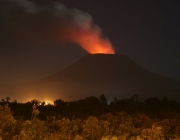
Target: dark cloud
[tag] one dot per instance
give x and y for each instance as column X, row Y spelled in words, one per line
column 24, row 22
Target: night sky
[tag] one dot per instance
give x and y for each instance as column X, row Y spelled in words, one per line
column 33, row 41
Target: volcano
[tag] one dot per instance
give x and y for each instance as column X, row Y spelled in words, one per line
column 110, row 74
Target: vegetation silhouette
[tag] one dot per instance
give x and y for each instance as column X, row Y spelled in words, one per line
column 91, row 118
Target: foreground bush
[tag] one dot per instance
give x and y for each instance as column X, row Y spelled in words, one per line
column 118, row 126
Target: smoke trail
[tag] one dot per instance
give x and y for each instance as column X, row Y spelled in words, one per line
column 24, row 21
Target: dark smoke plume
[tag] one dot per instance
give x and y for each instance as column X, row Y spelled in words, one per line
column 25, row 23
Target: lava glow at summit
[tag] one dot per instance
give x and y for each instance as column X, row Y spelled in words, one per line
column 91, row 41
column 57, row 23
column 81, row 30
column 89, row 37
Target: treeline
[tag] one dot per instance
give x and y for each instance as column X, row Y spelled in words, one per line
column 94, row 106
column 91, row 118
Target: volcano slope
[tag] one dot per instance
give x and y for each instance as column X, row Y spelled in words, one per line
column 110, row 74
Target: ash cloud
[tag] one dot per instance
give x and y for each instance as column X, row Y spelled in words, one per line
column 24, row 23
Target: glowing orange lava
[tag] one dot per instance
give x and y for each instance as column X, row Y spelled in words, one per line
column 92, row 43
column 89, row 39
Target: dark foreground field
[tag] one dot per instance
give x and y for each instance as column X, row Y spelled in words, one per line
column 91, row 119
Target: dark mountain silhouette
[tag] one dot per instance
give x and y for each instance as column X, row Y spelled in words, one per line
column 111, row 75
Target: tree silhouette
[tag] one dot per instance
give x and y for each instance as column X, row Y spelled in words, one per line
column 103, row 99
column 7, row 99
column 60, row 104
column 134, row 98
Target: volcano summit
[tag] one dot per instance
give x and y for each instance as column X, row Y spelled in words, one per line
column 110, row 74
